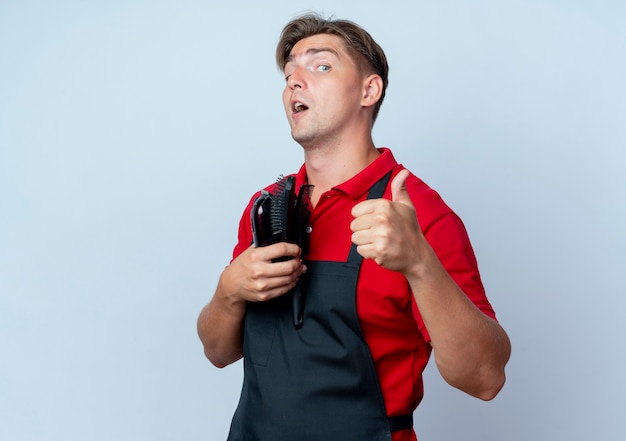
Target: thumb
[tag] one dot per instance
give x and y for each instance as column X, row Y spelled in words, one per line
column 398, row 188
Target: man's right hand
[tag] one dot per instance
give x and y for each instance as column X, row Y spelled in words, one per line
column 256, row 276
column 253, row 276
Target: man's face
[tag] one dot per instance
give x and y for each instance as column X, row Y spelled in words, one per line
column 323, row 90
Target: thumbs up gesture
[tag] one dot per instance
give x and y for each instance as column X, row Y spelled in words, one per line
column 387, row 230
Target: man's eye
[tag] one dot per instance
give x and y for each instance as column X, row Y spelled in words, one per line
column 323, row 68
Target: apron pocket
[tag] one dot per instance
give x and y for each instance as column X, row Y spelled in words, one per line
column 260, row 326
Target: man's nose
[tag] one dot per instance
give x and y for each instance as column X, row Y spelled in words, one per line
column 296, row 79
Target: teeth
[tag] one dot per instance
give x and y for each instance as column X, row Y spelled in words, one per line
column 299, row 107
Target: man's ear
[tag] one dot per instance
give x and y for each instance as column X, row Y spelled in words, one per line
column 372, row 90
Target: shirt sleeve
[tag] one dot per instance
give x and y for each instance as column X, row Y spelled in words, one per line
column 448, row 238
column 244, row 233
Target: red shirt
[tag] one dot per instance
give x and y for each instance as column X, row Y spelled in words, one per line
column 390, row 320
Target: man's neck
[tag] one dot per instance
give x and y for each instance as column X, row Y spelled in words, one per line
column 329, row 166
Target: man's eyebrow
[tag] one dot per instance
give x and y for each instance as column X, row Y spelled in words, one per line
column 313, row 51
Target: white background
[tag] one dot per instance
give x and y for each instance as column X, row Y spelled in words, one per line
column 132, row 134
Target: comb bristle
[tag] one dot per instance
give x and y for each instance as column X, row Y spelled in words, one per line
column 282, row 195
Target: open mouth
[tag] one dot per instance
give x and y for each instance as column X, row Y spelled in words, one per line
column 298, row 107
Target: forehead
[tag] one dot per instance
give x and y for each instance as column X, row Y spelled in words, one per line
column 321, row 43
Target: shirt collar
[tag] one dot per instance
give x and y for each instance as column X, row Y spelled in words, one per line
column 360, row 183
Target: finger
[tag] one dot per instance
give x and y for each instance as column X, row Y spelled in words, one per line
column 362, row 237
column 277, row 287
column 398, row 188
column 365, row 207
column 369, row 251
column 273, row 279
column 291, row 268
column 277, row 250
column 361, row 223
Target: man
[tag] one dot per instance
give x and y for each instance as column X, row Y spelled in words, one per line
column 390, row 272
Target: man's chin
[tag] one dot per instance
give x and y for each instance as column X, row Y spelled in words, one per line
column 304, row 139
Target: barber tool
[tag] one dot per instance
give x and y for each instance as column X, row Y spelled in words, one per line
column 283, row 216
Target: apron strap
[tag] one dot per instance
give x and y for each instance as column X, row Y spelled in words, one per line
column 400, row 422
column 376, row 192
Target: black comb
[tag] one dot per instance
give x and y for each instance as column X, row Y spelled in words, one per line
column 282, row 209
